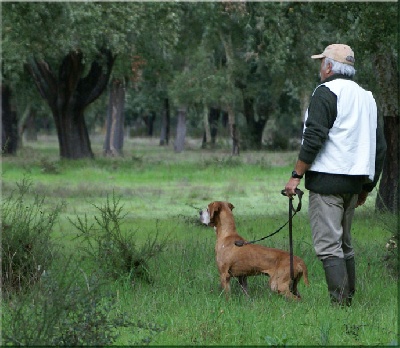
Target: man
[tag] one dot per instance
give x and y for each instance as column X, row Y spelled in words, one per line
column 341, row 155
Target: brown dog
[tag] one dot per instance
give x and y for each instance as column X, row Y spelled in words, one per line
column 249, row 259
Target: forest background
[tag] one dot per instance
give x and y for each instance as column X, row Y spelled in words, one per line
column 108, row 67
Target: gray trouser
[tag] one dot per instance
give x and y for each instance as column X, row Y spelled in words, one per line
column 330, row 219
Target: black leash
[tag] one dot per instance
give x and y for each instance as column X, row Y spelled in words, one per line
column 299, row 193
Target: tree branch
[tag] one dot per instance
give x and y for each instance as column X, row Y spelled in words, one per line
column 91, row 86
column 44, row 79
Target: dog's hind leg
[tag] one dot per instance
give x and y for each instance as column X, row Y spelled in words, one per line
column 225, row 278
column 243, row 284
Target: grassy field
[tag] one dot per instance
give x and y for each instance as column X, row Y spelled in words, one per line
column 161, row 192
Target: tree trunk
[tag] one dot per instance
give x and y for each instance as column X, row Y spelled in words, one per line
column 27, row 125
column 68, row 94
column 234, row 131
column 226, row 39
column 255, row 127
column 387, row 72
column 114, row 140
column 213, row 120
column 9, row 124
column 30, row 132
column 388, row 197
column 206, row 124
column 148, row 120
column 165, row 124
column 180, row 130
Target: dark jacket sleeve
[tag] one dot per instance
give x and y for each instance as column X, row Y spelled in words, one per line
column 322, row 113
column 380, row 155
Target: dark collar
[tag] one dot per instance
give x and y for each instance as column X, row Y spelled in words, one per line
column 337, row 76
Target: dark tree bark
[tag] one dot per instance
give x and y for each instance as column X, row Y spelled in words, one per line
column 114, row 140
column 9, row 123
column 387, row 72
column 255, row 127
column 180, row 130
column 148, row 120
column 68, row 94
column 388, row 197
column 165, row 124
column 213, row 118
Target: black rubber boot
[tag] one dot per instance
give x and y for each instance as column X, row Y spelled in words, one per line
column 351, row 275
column 337, row 280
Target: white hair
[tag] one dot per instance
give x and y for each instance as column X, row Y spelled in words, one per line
column 340, row 68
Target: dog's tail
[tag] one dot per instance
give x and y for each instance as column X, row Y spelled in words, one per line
column 303, row 269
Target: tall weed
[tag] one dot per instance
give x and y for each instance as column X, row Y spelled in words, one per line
column 112, row 250
column 27, row 248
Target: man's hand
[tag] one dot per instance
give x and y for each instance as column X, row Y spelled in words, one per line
column 300, row 168
column 291, row 187
column 362, row 197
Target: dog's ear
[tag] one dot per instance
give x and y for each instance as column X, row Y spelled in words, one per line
column 213, row 208
column 231, row 206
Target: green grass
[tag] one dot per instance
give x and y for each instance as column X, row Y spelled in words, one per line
column 162, row 192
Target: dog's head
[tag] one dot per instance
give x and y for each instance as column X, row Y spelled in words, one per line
column 207, row 216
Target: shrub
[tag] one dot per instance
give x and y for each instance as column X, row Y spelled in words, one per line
column 67, row 308
column 27, row 249
column 112, row 251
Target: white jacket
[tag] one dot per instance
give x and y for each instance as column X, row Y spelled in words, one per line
column 351, row 145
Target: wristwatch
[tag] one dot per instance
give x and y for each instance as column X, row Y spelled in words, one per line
column 296, row 176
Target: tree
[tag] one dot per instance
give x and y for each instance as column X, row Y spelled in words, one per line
column 68, row 94
column 85, row 32
column 114, row 138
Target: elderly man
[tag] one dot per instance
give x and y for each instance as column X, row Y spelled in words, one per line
column 341, row 156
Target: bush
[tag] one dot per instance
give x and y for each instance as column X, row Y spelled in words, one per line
column 27, row 249
column 112, row 251
column 67, row 308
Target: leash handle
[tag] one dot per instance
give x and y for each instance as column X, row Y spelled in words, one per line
column 299, row 194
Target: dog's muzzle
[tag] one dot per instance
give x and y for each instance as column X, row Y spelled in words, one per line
column 204, row 216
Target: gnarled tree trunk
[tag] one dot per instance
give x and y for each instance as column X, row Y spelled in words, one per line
column 68, row 94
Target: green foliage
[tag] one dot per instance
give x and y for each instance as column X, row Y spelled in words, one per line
column 27, row 247
column 113, row 251
column 68, row 308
